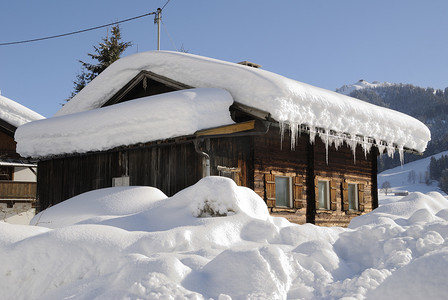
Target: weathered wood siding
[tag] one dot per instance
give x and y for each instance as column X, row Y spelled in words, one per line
column 236, row 153
column 7, row 146
column 306, row 164
column 17, row 190
column 254, row 161
column 274, row 157
column 344, row 167
column 170, row 168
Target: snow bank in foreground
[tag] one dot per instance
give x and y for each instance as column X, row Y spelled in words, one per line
column 15, row 113
column 136, row 244
column 139, row 121
column 288, row 101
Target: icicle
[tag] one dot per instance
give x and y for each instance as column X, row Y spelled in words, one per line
column 282, row 133
column 293, row 127
column 401, row 153
column 352, row 144
column 366, row 146
column 390, row 151
column 326, row 146
column 381, row 148
column 312, row 135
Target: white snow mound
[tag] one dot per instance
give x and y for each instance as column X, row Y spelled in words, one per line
column 215, row 240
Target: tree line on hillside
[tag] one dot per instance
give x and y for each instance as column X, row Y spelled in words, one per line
column 425, row 104
column 438, row 170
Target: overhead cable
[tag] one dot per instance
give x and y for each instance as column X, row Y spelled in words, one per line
column 79, row 31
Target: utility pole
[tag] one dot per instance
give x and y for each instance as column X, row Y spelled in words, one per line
column 157, row 20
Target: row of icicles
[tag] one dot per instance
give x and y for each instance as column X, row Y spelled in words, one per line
column 329, row 137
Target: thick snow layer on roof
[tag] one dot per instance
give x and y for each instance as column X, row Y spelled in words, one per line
column 216, row 240
column 15, row 113
column 142, row 120
column 288, row 101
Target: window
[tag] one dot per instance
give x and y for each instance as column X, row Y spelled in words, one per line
column 324, row 194
column 282, row 191
column 352, row 196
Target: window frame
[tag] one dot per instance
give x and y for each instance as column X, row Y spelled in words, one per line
column 327, row 194
column 289, row 189
column 355, row 201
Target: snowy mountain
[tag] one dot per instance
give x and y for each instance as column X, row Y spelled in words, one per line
column 361, row 84
column 216, row 240
column 428, row 105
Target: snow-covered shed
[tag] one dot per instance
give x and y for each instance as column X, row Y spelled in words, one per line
column 309, row 152
column 17, row 175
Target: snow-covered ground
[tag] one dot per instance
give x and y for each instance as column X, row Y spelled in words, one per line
column 410, row 177
column 217, row 240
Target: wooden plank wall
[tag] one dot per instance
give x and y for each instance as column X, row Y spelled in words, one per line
column 7, row 146
column 343, row 167
column 274, row 157
column 235, row 152
column 17, row 190
column 169, row 168
column 309, row 161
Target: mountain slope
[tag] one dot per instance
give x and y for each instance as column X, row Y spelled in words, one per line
column 425, row 104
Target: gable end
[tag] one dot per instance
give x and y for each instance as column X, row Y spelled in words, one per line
column 145, row 84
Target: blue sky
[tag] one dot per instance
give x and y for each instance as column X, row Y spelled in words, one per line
column 326, row 43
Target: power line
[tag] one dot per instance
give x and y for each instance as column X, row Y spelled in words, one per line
column 165, row 4
column 79, row 31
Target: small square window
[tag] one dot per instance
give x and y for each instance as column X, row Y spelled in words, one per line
column 324, row 194
column 352, row 196
column 282, row 191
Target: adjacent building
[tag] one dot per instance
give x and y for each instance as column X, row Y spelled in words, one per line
column 17, row 174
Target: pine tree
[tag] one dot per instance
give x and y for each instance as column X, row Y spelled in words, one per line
column 108, row 51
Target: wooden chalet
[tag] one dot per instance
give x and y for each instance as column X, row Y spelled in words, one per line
column 17, row 175
column 312, row 183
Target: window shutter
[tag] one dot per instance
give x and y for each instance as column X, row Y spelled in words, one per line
column 316, row 192
column 333, row 188
column 269, row 184
column 298, row 191
column 361, row 197
column 345, row 204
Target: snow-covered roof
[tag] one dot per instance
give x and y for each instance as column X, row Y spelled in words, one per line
column 288, row 101
column 16, row 114
column 142, row 120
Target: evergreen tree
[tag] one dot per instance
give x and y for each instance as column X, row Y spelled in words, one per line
column 108, row 51
column 443, row 181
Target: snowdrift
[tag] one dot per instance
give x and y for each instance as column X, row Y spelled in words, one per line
column 217, row 240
